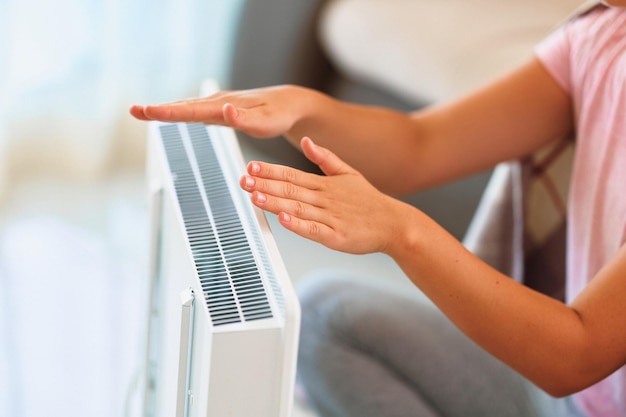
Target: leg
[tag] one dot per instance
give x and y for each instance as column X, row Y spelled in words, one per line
column 368, row 352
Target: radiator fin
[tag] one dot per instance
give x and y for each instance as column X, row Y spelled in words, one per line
column 224, row 260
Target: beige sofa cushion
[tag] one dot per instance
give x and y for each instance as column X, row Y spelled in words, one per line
column 434, row 50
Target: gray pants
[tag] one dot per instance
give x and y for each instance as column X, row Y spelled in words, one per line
column 366, row 351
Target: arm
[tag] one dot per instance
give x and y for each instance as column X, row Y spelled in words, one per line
column 507, row 119
column 562, row 348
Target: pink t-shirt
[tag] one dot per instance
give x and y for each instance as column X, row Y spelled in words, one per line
column 587, row 57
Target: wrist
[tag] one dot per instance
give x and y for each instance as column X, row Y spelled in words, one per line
column 419, row 242
column 408, row 235
column 309, row 112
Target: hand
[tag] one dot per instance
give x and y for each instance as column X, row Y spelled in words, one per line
column 262, row 113
column 340, row 210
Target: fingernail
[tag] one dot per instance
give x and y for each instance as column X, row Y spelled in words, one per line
column 249, row 182
column 255, row 168
column 285, row 217
column 261, row 198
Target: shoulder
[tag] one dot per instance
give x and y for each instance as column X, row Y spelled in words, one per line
column 587, row 42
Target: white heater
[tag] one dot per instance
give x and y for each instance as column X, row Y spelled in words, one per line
column 224, row 318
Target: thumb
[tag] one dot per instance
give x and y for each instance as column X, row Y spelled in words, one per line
column 240, row 118
column 330, row 163
column 250, row 121
column 232, row 115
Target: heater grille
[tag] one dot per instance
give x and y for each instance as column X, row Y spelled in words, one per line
column 227, row 269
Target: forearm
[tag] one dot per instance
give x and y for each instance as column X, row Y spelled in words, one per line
column 561, row 348
column 397, row 152
column 541, row 338
column 401, row 153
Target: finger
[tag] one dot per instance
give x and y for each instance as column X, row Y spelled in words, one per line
column 201, row 109
column 230, row 114
column 209, row 112
column 237, row 118
column 329, row 163
column 281, row 189
column 220, row 98
column 277, row 205
column 308, row 229
column 283, row 173
column 137, row 112
column 253, row 119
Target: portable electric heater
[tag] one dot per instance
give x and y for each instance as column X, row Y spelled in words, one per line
column 224, row 319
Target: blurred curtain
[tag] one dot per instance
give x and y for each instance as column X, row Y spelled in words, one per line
column 72, row 286
column 70, row 69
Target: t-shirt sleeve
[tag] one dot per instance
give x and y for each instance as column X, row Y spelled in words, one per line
column 554, row 54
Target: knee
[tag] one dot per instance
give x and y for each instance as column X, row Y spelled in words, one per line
column 322, row 296
column 319, row 295
column 319, row 289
